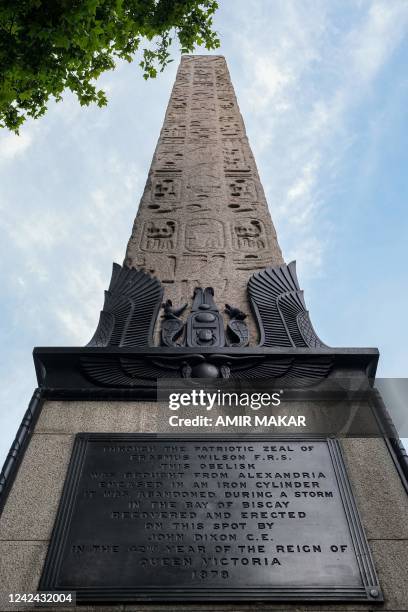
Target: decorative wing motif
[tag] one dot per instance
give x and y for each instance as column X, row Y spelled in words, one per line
column 114, row 371
column 131, row 307
column 142, row 371
column 253, row 367
column 130, row 310
column 280, row 309
column 151, row 367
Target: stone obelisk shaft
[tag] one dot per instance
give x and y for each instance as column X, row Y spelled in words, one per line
column 203, row 219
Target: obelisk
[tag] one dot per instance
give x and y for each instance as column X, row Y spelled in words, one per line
column 203, row 219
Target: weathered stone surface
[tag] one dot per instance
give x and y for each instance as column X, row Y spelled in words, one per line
column 20, row 567
column 20, row 564
column 70, row 417
column 41, row 476
column 391, row 560
column 30, row 509
column 380, row 496
column 203, row 219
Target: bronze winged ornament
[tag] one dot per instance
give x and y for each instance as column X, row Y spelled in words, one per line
column 129, row 315
column 130, row 310
column 279, row 307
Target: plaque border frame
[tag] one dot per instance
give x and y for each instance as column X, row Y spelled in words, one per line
column 369, row 591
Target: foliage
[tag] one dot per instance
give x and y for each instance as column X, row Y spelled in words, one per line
column 47, row 46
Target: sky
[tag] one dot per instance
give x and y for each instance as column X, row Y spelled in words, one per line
column 323, row 90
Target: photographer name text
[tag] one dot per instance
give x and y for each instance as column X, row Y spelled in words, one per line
column 245, row 420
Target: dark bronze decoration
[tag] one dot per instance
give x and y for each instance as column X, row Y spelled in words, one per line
column 19, row 445
column 141, row 370
column 172, row 327
column 205, row 326
column 130, row 309
column 111, row 370
column 130, row 312
column 280, row 309
column 237, row 329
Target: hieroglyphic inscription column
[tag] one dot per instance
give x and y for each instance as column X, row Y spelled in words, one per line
column 203, row 219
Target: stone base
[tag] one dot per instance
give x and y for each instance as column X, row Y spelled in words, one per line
column 29, row 513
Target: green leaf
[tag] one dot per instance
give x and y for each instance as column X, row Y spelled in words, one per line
column 47, row 47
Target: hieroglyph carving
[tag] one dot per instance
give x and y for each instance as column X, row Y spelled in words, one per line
column 166, row 193
column 242, row 188
column 159, row 236
column 194, row 266
column 176, row 131
column 234, row 158
column 204, row 235
column 169, row 159
column 230, row 127
column 249, row 235
column 201, row 189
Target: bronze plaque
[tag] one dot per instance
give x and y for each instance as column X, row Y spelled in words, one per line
column 248, row 517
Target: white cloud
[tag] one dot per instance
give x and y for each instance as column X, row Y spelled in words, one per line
column 305, row 183
column 34, row 231
column 75, row 326
column 302, row 84
column 13, row 145
column 372, row 44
